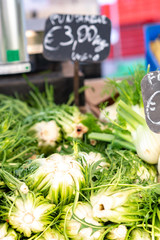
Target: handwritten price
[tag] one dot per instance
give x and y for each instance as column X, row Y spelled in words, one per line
column 150, row 86
column 61, row 35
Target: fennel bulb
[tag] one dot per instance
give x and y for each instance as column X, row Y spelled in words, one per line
column 140, row 234
column 70, row 120
column 74, row 130
column 48, row 133
column 147, row 143
column 3, row 230
column 109, row 113
column 53, row 234
column 121, row 206
column 103, row 205
column 93, row 157
column 29, row 214
column 147, row 174
column 7, row 233
column 158, row 165
column 24, row 188
column 80, row 224
column 118, row 233
column 57, row 177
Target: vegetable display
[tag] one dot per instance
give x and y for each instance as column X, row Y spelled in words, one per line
column 56, row 177
column 66, row 175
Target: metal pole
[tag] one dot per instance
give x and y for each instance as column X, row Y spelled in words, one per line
column 76, row 82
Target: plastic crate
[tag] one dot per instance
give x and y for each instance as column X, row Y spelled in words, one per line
column 131, row 42
column 138, row 11
column 134, row 11
column 151, row 32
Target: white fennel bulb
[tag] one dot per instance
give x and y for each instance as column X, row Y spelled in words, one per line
column 109, row 113
column 118, row 233
column 147, row 144
column 24, row 188
column 140, row 234
column 119, row 206
column 82, row 215
column 147, row 174
column 6, row 233
column 47, row 133
column 3, row 230
column 57, row 177
column 70, row 119
column 75, row 130
column 93, row 157
column 30, row 214
column 158, row 165
column 53, row 234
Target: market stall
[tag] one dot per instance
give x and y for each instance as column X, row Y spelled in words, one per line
column 68, row 172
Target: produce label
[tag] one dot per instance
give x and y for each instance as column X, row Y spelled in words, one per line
column 150, row 87
column 83, row 38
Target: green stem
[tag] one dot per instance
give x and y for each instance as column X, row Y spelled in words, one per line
column 65, row 224
column 37, row 100
column 124, row 144
column 125, row 136
column 77, row 190
column 101, row 136
column 20, row 154
column 109, row 138
column 132, row 118
column 15, row 165
column 153, row 222
column 127, row 187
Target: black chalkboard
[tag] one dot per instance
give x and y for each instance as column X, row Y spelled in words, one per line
column 82, row 38
column 150, row 86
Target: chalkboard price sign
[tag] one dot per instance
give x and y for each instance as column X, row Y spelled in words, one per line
column 82, row 38
column 150, row 86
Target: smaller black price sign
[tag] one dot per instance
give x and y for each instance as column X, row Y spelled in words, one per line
column 150, row 87
column 82, row 38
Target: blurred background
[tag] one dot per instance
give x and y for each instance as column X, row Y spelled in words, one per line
column 130, row 37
